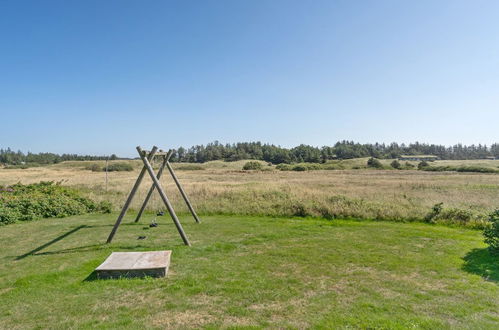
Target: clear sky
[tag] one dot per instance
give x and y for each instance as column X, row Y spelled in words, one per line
column 103, row 76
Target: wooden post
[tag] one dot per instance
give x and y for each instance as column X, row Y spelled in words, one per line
column 151, row 190
column 182, row 192
column 107, row 160
column 131, row 195
column 163, row 196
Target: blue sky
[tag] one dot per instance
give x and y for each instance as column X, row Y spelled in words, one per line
column 101, row 77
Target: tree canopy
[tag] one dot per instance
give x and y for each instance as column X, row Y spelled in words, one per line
column 277, row 154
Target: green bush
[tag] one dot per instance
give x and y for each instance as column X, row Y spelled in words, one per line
column 8, row 215
column 21, row 166
column 374, row 163
column 283, row 167
column 44, row 200
column 491, row 232
column 435, row 212
column 423, row 165
column 94, row 168
column 252, row 166
column 455, row 216
column 333, row 166
column 310, row 167
column 409, row 165
column 299, row 168
column 190, row 167
column 396, row 164
column 113, row 167
column 476, row 169
column 119, row 167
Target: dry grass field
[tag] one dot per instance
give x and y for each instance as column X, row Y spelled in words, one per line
column 223, row 188
column 258, row 271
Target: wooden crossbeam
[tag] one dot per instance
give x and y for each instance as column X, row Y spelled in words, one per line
column 163, row 196
column 159, row 153
column 151, row 190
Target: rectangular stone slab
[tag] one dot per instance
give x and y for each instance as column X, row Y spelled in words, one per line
column 135, row 264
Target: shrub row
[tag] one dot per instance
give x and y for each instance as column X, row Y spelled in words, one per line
column 190, row 167
column 114, row 167
column 253, row 165
column 44, row 200
column 459, row 169
column 21, row 166
column 310, row 167
column 456, row 216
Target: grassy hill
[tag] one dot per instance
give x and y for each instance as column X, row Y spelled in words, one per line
column 250, row 272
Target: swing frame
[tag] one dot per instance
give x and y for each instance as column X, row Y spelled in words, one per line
column 147, row 157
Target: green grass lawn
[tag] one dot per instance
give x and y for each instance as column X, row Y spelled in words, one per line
column 250, row 272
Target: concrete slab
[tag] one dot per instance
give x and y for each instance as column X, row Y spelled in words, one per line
column 135, row 264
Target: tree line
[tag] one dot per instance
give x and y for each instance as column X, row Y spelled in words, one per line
column 277, row 155
column 341, row 150
column 10, row 157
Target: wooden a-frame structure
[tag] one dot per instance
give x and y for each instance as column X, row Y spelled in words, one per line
column 147, row 157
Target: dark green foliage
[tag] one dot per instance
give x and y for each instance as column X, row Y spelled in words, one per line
column 104, row 207
column 277, row 155
column 423, row 165
column 283, row 167
column 252, row 166
column 341, row 150
column 456, row 216
column 452, row 215
column 476, row 169
column 300, row 210
column 374, row 163
column 94, row 167
column 113, row 167
column 8, row 156
column 409, row 165
column 119, row 167
column 299, row 168
column 305, row 167
column 435, row 212
column 22, row 166
column 491, row 232
column 396, row 164
column 190, row 167
column 44, row 200
column 8, row 214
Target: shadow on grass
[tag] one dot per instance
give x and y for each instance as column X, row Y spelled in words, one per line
column 95, row 277
column 84, row 248
column 55, row 240
column 92, row 277
column 482, row 262
column 70, row 250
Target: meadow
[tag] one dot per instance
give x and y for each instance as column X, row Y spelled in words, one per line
column 219, row 187
column 274, row 250
column 250, row 272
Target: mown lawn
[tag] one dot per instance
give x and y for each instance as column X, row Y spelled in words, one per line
column 250, row 272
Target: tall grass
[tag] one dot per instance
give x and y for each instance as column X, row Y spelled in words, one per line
column 223, row 188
